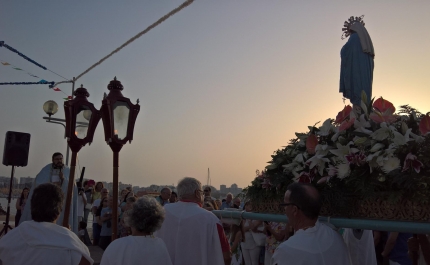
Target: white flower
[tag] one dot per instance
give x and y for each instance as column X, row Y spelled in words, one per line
column 319, row 161
column 322, row 149
column 376, row 147
column 417, row 138
column 382, row 133
column 326, row 128
column 343, row 150
column 361, row 124
column 343, row 170
column 390, row 164
column 400, row 139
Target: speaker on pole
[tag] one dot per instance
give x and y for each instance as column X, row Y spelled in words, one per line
column 15, row 153
column 16, row 146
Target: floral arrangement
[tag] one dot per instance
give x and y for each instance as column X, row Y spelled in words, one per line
column 367, row 152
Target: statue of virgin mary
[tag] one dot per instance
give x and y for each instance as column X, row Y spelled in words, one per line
column 356, row 67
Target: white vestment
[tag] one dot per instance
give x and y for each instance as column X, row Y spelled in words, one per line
column 190, row 234
column 42, row 243
column 318, row 245
column 132, row 250
column 361, row 250
column 44, row 176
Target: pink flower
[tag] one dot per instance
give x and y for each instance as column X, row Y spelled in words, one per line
column 342, row 115
column 311, row 143
column 383, row 111
column 358, row 159
column 304, row 177
column 379, row 117
column 346, row 125
column 323, row 180
column 332, row 170
column 412, row 161
column 383, row 105
column 425, row 124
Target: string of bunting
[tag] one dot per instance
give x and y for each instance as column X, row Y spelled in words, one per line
column 17, row 68
column 41, row 82
column 2, row 44
column 53, row 84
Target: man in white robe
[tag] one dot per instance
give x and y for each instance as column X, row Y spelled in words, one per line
column 42, row 241
column 313, row 242
column 56, row 173
column 193, row 235
column 360, row 245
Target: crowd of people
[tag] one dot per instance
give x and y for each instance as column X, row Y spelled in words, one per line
column 180, row 228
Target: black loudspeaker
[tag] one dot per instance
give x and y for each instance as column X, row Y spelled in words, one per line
column 16, row 146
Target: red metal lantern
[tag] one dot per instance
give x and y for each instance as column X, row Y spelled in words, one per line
column 81, row 122
column 119, row 116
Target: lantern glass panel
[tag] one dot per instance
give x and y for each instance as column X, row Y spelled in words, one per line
column 82, row 118
column 121, row 112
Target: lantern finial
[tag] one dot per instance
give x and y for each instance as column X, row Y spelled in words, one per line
column 81, row 92
column 115, row 85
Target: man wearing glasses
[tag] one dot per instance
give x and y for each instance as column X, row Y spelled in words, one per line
column 313, row 242
column 207, row 191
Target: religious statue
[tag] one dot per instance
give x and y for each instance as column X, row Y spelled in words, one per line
column 356, row 67
column 56, row 173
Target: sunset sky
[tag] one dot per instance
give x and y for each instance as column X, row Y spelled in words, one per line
column 221, row 84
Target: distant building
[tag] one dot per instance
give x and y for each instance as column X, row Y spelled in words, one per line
column 25, row 180
column 234, row 189
column 223, row 189
column 5, row 181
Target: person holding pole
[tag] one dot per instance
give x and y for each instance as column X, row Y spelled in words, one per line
column 56, row 173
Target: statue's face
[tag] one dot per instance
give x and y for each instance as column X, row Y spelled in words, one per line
column 58, row 161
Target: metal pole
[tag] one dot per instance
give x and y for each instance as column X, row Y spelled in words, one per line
column 115, row 195
column 67, row 154
column 67, row 149
column 369, row 224
column 6, row 224
column 69, row 191
column 73, row 87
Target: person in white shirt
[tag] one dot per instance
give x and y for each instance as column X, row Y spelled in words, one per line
column 313, row 242
column 360, row 245
column 41, row 240
column 141, row 247
column 193, row 235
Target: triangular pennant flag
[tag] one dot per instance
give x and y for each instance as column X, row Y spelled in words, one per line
column 5, row 63
column 57, row 89
column 43, row 81
column 16, row 68
column 68, row 98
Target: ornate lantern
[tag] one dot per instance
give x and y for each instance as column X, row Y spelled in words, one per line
column 119, row 116
column 81, row 122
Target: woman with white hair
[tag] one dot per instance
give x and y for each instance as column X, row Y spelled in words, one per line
column 145, row 218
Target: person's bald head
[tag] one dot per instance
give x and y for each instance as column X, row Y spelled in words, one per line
column 306, row 197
